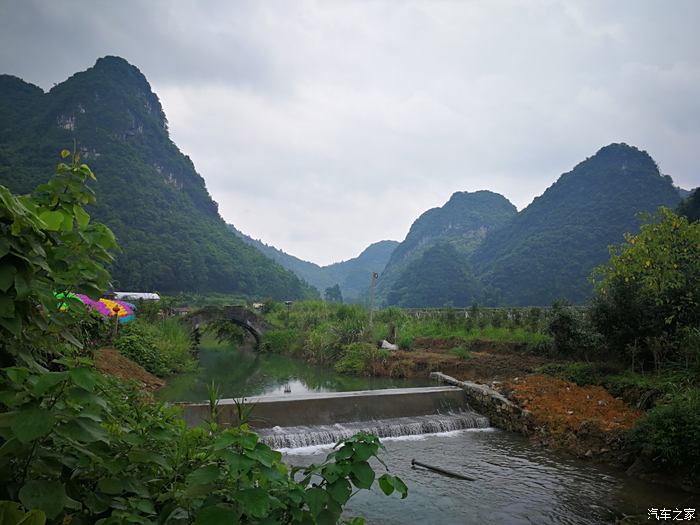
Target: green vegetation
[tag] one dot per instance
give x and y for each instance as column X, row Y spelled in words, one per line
column 670, row 433
column 77, row 447
column 332, row 294
column 461, row 352
column 339, row 335
column 171, row 236
column 640, row 338
column 648, row 295
column 548, row 250
column 462, row 223
column 420, row 285
column 690, row 207
column 161, row 347
column 353, row 276
column 360, row 358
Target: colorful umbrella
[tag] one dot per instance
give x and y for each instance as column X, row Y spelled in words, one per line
column 106, row 307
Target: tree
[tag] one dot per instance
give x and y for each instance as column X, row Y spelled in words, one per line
column 333, row 294
column 648, row 293
column 690, row 207
column 48, row 245
column 78, row 447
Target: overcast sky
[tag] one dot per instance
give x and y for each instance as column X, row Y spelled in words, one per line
column 321, row 127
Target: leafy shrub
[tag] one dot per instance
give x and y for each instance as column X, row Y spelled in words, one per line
column 85, row 449
column 648, row 293
column 670, row 433
column 321, row 346
column 405, row 341
column 137, row 341
column 461, row 352
column 279, row 341
column 581, row 373
column 357, row 358
column 572, row 333
column 174, row 343
column 80, row 448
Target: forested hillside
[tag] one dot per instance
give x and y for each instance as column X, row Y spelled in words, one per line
column 148, row 192
column 353, row 276
column 440, row 276
column 548, row 250
column 463, row 223
column 690, row 207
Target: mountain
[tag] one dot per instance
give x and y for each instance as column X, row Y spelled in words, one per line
column 463, row 223
column 439, row 276
column 683, row 193
column 547, row 251
column 690, row 207
column 353, row 276
column 168, row 227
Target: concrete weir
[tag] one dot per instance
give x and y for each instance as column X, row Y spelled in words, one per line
column 329, row 408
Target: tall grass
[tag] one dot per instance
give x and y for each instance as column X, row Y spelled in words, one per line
column 322, row 332
column 162, row 347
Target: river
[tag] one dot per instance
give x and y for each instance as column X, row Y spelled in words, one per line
column 242, row 372
column 515, row 481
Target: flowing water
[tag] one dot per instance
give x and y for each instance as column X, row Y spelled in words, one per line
column 242, row 372
column 304, row 436
column 516, row 483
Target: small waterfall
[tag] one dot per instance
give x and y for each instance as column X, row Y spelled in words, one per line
column 295, row 437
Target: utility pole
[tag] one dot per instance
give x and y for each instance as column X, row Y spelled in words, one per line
column 375, row 276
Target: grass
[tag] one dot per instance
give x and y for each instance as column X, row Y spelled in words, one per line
column 434, row 328
column 322, row 332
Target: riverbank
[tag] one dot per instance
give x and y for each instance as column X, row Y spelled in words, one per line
column 596, row 422
column 111, row 362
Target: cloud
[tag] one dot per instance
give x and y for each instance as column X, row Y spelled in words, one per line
column 321, row 127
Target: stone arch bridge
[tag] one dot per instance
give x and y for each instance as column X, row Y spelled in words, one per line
column 250, row 321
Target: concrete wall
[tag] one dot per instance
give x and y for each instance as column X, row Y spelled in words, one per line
column 502, row 412
column 334, row 407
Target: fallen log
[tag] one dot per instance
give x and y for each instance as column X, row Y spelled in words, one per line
column 441, row 471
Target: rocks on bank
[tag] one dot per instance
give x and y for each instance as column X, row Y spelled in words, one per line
column 584, row 421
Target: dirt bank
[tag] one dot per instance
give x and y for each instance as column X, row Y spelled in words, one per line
column 110, row 361
column 585, row 421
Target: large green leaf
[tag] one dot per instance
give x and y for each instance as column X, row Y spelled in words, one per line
column 340, row 490
column 33, row 517
column 110, row 485
column 48, row 496
column 204, row 475
column 32, row 424
column 217, row 515
column 52, row 219
column 264, row 455
column 47, row 381
column 84, row 377
column 83, row 430
column 255, row 501
column 316, row 498
column 389, row 483
column 81, row 216
column 363, row 451
column 10, row 513
column 362, row 475
column 7, row 275
column 7, row 307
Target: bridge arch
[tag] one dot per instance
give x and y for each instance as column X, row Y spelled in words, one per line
column 250, row 321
